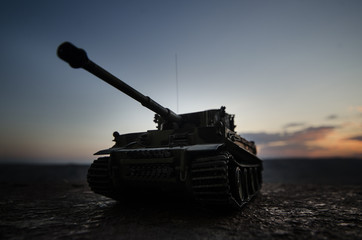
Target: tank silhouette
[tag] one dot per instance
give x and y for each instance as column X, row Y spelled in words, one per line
column 198, row 155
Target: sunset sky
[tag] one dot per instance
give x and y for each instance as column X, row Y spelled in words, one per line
column 291, row 72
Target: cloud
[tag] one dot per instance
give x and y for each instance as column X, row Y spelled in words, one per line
column 356, row 138
column 294, row 124
column 288, row 150
column 332, row 117
column 310, row 134
column 306, row 134
column 291, row 144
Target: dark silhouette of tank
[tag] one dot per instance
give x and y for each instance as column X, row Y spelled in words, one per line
column 197, row 154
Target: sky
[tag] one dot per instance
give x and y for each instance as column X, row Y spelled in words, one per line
column 290, row 71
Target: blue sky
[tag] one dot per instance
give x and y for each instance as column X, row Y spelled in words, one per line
column 291, row 72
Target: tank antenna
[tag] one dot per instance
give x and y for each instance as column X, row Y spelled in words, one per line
column 177, row 101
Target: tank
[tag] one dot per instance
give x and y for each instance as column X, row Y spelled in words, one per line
column 198, row 155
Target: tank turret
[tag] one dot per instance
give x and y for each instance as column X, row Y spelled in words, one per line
column 197, row 154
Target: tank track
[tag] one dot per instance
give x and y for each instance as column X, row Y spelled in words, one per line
column 99, row 180
column 222, row 180
column 215, row 180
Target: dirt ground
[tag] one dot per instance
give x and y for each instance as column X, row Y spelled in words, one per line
column 69, row 210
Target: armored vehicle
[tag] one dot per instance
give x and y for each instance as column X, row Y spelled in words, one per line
column 198, row 154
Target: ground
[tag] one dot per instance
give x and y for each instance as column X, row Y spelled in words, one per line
column 69, row 210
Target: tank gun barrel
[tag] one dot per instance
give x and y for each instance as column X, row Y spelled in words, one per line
column 77, row 58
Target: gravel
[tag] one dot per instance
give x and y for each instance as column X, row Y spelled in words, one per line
column 69, row 210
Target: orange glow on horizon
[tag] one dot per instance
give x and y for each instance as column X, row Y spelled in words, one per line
column 337, row 145
column 317, row 143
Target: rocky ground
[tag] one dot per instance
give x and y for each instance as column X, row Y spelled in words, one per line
column 69, row 210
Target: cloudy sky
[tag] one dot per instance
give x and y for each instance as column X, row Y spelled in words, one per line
column 291, row 72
